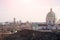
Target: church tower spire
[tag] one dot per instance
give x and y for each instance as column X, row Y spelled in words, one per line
column 50, row 9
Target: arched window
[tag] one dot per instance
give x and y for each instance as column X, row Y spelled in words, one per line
column 49, row 23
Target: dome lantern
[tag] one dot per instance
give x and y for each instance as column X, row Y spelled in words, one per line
column 51, row 10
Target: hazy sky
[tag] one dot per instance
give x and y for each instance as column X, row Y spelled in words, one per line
column 28, row 10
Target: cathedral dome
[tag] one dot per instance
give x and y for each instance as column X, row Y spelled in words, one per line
column 51, row 14
column 50, row 18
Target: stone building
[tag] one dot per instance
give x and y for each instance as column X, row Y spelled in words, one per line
column 50, row 18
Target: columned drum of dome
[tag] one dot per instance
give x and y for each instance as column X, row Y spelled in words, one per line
column 50, row 18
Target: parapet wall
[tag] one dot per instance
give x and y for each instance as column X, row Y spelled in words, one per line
column 33, row 35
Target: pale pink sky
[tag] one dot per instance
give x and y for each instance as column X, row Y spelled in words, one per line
column 28, row 10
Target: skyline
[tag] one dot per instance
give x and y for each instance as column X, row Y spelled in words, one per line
column 28, row 10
